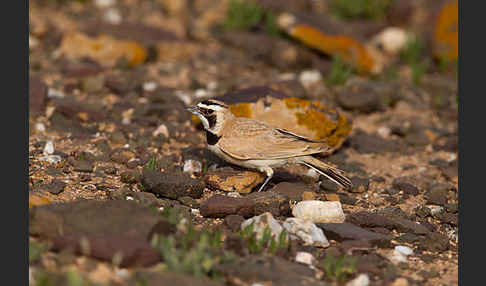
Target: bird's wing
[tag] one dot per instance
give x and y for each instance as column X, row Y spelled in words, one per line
column 255, row 140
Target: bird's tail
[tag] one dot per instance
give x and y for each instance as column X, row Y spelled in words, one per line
column 330, row 172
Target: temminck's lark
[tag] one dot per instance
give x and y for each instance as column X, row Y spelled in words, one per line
column 253, row 144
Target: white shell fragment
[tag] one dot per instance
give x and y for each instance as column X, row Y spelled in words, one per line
column 305, row 230
column 319, row 211
column 304, row 258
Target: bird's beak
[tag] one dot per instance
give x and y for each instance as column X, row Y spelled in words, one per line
column 193, row 109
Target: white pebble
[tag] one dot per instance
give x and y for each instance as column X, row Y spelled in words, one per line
column 319, row 211
column 192, row 166
column 112, row 16
column 306, row 231
column 39, row 126
column 126, row 121
column 129, row 198
column 257, row 284
column 384, row 131
column 55, row 93
column 234, row 195
column 49, row 148
column 104, row 3
column 361, row 280
column 392, row 40
column 261, row 222
column 310, row 77
column 405, row 250
column 435, row 210
column 149, row 86
column 51, row 158
column 162, row 129
column 202, row 93
column 304, row 258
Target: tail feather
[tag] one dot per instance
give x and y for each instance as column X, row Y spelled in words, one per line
column 330, row 172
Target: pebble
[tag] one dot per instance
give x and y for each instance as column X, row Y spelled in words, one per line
column 192, row 166
column 55, row 93
column 105, row 3
column 398, row 257
column 319, row 211
column 49, row 148
column 184, row 96
column 361, row 280
column 436, row 210
column 305, row 230
column 40, row 127
column 149, row 86
column 261, row 222
column 162, row 129
column 51, row 158
column 112, row 16
column 304, row 258
column 405, row 250
column 310, row 77
column 392, row 39
column 400, row 282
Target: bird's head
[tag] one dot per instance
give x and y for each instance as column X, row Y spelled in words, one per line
column 212, row 113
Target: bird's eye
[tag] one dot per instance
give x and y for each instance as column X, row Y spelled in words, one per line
column 210, row 111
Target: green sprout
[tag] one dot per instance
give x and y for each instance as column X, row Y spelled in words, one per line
column 413, row 56
column 340, row 72
column 267, row 241
column 339, row 268
column 244, row 15
column 360, row 9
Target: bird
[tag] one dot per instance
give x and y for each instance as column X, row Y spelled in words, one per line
column 253, row 144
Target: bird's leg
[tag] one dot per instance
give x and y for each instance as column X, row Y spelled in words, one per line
column 269, row 172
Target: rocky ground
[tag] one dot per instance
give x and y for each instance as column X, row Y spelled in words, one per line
column 123, row 192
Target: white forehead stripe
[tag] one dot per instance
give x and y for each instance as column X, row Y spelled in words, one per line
column 213, row 106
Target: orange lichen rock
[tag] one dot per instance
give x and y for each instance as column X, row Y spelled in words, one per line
column 104, row 49
column 446, row 32
column 241, row 110
column 35, row 200
column 348, row 49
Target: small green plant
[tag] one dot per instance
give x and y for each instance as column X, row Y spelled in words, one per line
column 152, row 164
column 340, row 72
column 360, row 9
column 35, row 251
column 70, row 278
column 267, row 241
column 244, row 15
column 413, row 56
column 339, row 268
column 195, row 253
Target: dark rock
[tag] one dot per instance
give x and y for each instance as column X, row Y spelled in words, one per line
column 120, row 194
column 293, row 191
column 166, row 278
column 253, row 269
column 72, row 109
column 80, row 68
column 219, row 206
column 130, row 177
column 54, row 172
column 121, row 156
column 347, row 200
column 427, row 258
column 109, row 170
column 117, row 137
column 407, row 188
column 233, row 222
column 437, row 194
column 392, row 211
column 408, row 238
column 269, row 201
column 449, row 218
column 392, row 191
column 82, row 165
column 188, row 201
column 328, row 186
column 37, row 95
column 56, row 187
column 434, row 241
column 171, row 185
column 346, row 231
column 145, row 199
column 360, row 185
column 372, row 143
column 359, row 97
column 378, row 179
column 100, row 229
column 163, row 227
column 433, row 273
column 367, row 219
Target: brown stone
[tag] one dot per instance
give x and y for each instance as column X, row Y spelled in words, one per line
column 232, row 180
